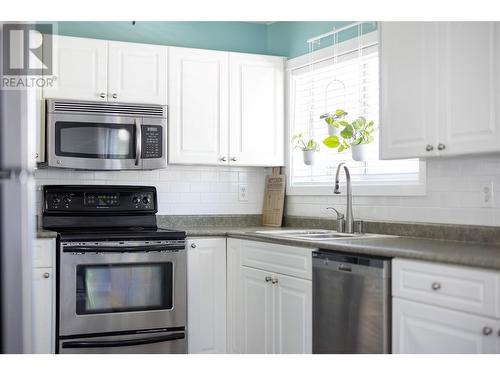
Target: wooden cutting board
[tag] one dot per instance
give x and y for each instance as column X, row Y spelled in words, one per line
column 274, row 199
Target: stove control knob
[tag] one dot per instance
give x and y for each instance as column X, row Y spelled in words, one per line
column 66, row 200
column 56, row 199
column 146, row 200
column 136, row 199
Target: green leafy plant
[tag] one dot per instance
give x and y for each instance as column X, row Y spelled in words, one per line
column 302, row 143
column 336, row 119
column 358, row 132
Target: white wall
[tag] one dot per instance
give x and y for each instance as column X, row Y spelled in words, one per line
column 453, row 196
column 182, row 190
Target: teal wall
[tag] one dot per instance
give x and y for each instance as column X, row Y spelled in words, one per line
column 279, row 38
column 226, row 36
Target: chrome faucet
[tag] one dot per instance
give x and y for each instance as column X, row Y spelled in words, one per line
column 349, row 220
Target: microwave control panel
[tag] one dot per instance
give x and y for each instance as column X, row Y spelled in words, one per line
column 152, row 141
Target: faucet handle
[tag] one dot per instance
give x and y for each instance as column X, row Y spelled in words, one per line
column 340, row 215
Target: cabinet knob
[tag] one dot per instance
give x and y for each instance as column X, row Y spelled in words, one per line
column 487, row 331
column 436, row 286
column 268, row 278
column 193, row 245
column 36, row 155
column 223, row 158
column 233, row 158
column 274, row 281
column 429, row 148
column 441, row 147
column 46, row 275
column 114, row 96
column 102, row 95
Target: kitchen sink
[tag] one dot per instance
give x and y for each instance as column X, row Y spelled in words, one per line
column 317, row 234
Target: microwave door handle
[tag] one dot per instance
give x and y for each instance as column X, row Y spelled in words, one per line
column 117, row 343
column 138, row 140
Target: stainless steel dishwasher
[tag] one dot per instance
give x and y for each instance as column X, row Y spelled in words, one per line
column 351, row 303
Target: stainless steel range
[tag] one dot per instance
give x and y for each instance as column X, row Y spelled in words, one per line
column 121, row 279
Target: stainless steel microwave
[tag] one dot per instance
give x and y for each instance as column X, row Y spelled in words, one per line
column 105, row 136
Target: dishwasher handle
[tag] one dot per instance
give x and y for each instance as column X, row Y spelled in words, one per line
column 352, row 263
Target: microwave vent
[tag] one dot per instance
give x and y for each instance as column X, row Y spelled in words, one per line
column 118, row 109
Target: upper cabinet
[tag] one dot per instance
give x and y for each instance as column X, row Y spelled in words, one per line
column 439, row 88
column 225, row 108
column 256, row 109
column 100, row 70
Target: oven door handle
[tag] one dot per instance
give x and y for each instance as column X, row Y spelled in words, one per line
column 119, row 249
column 118, row 343
column 138, row 140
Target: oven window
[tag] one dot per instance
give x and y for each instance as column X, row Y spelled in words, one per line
column 95, row 140
column 121, row 288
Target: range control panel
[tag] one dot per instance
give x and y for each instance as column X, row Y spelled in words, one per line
column 99, row 198
column 152, row 142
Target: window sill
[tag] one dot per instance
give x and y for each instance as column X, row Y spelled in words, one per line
column 414, row 189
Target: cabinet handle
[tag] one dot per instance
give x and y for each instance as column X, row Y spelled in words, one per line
column 233, row 158
column 429, row 148
column 193, row 245
column 274, row 281
column 441, row 147
column 268, row 278
column 436, row 286
column 102, row 95
column 114, row 96
column 46, row 275
column 223, row 158
column 487, row 331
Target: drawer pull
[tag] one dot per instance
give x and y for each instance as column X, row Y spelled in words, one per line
column 274, row 281
column 436, row 286
column 46, row 275
column 268, row 278
column 487, row 331
column 193, row 245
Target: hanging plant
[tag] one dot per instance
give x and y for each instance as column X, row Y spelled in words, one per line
column 335, row 121
column 309, row 147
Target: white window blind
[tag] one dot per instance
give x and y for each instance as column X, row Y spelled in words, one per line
column 350, row 82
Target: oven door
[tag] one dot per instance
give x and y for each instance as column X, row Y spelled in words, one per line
column 100, row 142
column 121, row 291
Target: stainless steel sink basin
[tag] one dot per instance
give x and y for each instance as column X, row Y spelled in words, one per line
column 317, row 234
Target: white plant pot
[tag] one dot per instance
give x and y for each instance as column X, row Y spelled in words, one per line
column 332, row 130
column 360, row 152
column 309, row 156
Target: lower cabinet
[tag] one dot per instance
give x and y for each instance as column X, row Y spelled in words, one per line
column 268, row 312
column 206, row 283
column 43, row 296
column 445, row 309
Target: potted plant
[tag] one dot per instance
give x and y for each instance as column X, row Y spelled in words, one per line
column 335, row 121
column 356, row 135
column 309, row 147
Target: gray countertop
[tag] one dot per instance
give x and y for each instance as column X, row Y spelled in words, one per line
column 453, row 252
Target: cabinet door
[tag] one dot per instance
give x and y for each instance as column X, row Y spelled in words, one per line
column 80, row 68
column 198, row 107
column 470, row 56
column 408, row 87
column 256, row 110
column 293, row 324
column 425, row 329
column 206, row 264
column 257, row 313
column 137, row 73
column 43, row 312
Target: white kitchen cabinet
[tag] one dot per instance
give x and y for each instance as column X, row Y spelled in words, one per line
column 198, row 106
column 440, row 308
column 101, row 70
column 206, row 283
column 43, row 296
column 137, row 73
column 80, row 66
column 425, row 329
column 268, row 312
column 439, row 92
column 256, row 110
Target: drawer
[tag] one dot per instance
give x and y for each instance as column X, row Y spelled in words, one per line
column 454, row 287
column 44, row 252
column 286, row 260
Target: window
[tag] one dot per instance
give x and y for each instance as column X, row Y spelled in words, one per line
column 350, row 80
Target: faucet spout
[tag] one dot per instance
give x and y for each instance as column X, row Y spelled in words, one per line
column 349, row 220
